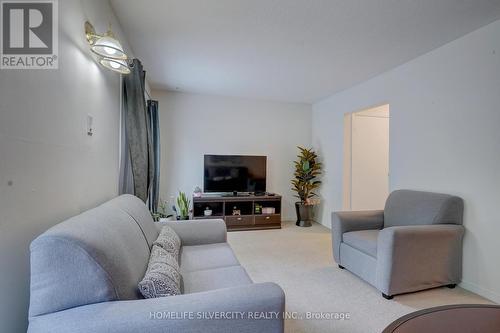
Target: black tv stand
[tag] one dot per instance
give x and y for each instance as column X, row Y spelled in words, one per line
column 248, row 206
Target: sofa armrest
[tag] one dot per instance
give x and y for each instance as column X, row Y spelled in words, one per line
column 198, row 312
column 411, row 258
column 198, row 232
column 343, row 222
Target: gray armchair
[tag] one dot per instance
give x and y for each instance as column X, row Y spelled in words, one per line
column 415, row 243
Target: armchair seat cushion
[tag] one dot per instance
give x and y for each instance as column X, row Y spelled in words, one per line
column 363, row 240
column 217, row 278
column 201, row 257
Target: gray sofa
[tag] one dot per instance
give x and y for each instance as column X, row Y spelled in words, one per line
column 85, row 271
column 415, row 243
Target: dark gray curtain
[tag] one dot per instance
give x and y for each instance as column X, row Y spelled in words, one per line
column 155, row 141
column 137, row 164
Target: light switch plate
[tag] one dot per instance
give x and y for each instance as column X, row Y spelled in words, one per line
column 90, row 125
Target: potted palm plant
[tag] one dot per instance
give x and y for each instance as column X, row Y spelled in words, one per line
column 305, row 182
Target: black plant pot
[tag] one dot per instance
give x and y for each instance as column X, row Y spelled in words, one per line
column 183, row 218
column 305, row 214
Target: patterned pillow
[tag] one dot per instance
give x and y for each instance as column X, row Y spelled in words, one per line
column 169, row 241
column 162, row 277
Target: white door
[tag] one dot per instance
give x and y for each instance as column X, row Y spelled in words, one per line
column 370, row 159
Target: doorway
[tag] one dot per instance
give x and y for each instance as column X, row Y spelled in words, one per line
column 366, row 158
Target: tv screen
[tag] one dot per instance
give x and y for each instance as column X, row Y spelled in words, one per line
column 234, row 173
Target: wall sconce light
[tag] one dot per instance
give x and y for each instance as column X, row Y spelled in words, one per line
column 108, row 49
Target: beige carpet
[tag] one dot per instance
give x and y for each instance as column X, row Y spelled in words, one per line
column 300, row 261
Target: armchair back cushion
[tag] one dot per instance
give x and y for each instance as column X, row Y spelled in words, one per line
column 406, row 207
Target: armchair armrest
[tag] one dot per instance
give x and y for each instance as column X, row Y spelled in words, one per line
column 417, row 257
column 343, row 222
column 198, row 232
column 198, row 312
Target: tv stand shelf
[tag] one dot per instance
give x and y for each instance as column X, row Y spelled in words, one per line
column 249, row 218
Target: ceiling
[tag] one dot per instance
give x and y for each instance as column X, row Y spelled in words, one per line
column 288, row 50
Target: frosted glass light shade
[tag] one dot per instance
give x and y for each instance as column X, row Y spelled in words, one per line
column 116, row 65
column 109, row 47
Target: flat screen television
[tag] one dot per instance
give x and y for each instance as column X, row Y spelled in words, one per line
column 234, row 173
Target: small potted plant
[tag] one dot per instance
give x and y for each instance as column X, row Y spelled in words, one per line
column 182, row 208
column 307, row 169
column 161, row 215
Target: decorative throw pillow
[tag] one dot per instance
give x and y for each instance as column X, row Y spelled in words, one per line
column 169, row 241
column 162, row 277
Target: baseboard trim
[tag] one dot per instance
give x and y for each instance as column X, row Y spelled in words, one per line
column 491, row 295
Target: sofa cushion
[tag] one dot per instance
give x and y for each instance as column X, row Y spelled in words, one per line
column 363, row 240
column 169, row 241
column 97, row 256
column 162, row 277
column 217, row 278
column 136, row 208
column 200, row 257
column 406, row 207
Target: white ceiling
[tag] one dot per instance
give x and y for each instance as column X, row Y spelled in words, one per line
column 288, row 50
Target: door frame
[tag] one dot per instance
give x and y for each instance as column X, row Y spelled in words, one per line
column 347, row 154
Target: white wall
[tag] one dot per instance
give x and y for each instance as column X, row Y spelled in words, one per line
column 444, row 136
column 54, row 169
column 194, row 125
